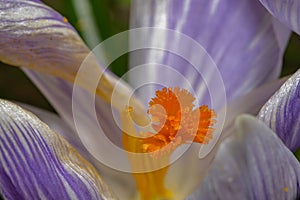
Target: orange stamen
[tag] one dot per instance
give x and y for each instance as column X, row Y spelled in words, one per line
column 176, row 121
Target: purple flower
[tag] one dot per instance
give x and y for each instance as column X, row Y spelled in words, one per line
column 246, row 40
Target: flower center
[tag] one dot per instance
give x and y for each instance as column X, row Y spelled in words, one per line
column 175, row 122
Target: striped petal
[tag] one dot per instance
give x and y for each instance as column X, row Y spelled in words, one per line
column 57, row 124
column 251, row 164
column 90, row 141
column 36, row 163
column 35, row 36
column 282, row 112
column 285, row 11
column 122, row 183
column 31, row 31
column 240, row 35
column 250, row 103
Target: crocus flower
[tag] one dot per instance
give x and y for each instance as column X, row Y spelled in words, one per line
column 246, row 42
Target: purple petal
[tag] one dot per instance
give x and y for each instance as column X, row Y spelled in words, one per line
column 36, row 163
column 250, row 103
column 45, row 38
column 251, row 164
column 57, row 124
column 35, row 36
column 59, row 93
column 282, row 112
column 240, row 36
column 285, row 11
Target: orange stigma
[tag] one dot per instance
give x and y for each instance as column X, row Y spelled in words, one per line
column 176, row 121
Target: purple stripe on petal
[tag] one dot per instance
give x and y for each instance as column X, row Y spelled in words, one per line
column 38, row 154
column 55, row 123
column 253, row 163
column 32, row 35
column 35, row 36
column 287, row 11
column 59, row 93
column 36, row 163
column 112, row 177
column 282, row 112
column 239, row 35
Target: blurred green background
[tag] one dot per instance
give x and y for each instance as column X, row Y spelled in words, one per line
column 111, row 17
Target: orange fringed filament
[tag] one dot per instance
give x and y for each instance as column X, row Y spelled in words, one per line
column 176, row 121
